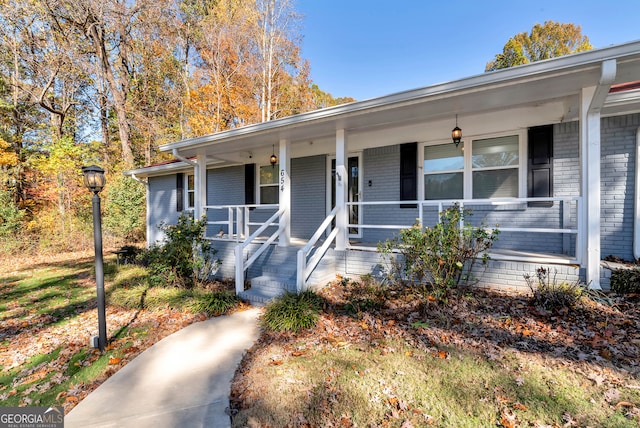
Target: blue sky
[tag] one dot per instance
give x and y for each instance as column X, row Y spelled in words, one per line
column 370, row 48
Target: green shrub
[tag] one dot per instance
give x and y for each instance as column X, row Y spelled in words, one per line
column 11, row 217
column 215, row 303
column 550, row 294
column 441, row 257
column 185, row 259
column 293, row 312
column 626, row 281
column 124, row 208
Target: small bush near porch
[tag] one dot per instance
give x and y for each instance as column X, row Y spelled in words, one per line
column 439, row 258
column 185, row 259
column 386, row 356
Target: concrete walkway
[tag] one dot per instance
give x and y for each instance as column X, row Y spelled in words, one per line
column 182, row 381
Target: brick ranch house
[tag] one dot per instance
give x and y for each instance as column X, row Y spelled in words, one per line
column 549, row 151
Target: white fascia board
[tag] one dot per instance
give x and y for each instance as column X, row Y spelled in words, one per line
column 168, row 168
column 159, row 169
column 515, row 75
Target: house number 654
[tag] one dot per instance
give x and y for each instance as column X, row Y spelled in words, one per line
column 282, row 180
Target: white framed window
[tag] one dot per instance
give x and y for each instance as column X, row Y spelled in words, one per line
column 495, row 164
column 268, row 184
column 443, row 169
column 190, row 192
column 479, row 168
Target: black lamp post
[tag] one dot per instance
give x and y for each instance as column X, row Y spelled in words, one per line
column 94, row 180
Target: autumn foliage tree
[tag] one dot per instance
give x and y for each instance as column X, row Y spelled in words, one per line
column 108, row 81
column 549, row 40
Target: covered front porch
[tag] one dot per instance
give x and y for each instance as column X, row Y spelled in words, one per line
column 339, row 180
column 532, row 234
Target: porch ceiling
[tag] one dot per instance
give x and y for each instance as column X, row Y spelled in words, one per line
column 528, row 85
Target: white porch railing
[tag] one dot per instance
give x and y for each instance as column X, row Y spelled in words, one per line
column 306, row 265
column 237, row 220
column 576, row 231
column 238, row 225
column 241, row 265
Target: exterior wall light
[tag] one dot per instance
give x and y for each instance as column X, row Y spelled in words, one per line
column 273, row 159
column 456, row 133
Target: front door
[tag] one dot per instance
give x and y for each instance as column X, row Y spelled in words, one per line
column 353, row 192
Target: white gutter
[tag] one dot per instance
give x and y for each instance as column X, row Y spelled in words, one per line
column 636, row 204
column 139, row 180
column 183, row 159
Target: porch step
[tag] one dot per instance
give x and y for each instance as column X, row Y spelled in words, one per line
column 272, row 281
column 268, row 287
column 260, row 296
column 283, row 271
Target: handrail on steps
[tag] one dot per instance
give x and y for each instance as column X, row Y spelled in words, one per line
column 241, row 265
column 304, row 266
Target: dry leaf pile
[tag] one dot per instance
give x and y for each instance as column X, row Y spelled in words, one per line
column 599, row 341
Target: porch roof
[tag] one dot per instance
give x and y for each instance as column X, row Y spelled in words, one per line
column 527, row 85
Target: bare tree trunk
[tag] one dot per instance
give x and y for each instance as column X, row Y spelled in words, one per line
column 104, row 125
column 119, row 98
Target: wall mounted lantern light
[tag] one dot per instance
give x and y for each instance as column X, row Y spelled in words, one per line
column 273, row 159
column 456, row 133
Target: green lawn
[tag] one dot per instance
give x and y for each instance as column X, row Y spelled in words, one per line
column 48, row 313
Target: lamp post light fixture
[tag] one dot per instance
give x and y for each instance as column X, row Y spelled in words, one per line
column 94, row 180
column 456, row 133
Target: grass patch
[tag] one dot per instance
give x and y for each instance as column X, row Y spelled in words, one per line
column 49, row 302
column 393, row 382
column 384, row 355
column 293, row 312
column 131, row 290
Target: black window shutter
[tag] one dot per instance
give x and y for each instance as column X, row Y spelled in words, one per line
column 250, row 184
column 179, row 191
column 408, row 174
column 540, row 173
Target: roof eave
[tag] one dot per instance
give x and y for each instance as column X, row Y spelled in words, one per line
column 515, row 75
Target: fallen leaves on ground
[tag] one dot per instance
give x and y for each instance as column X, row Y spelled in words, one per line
column 599, row 341
column 38, row 335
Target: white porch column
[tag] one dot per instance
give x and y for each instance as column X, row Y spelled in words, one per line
column 590, row 160
column 200, row 185
column 284, row 185
column 342, row 215
column 591, row 101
